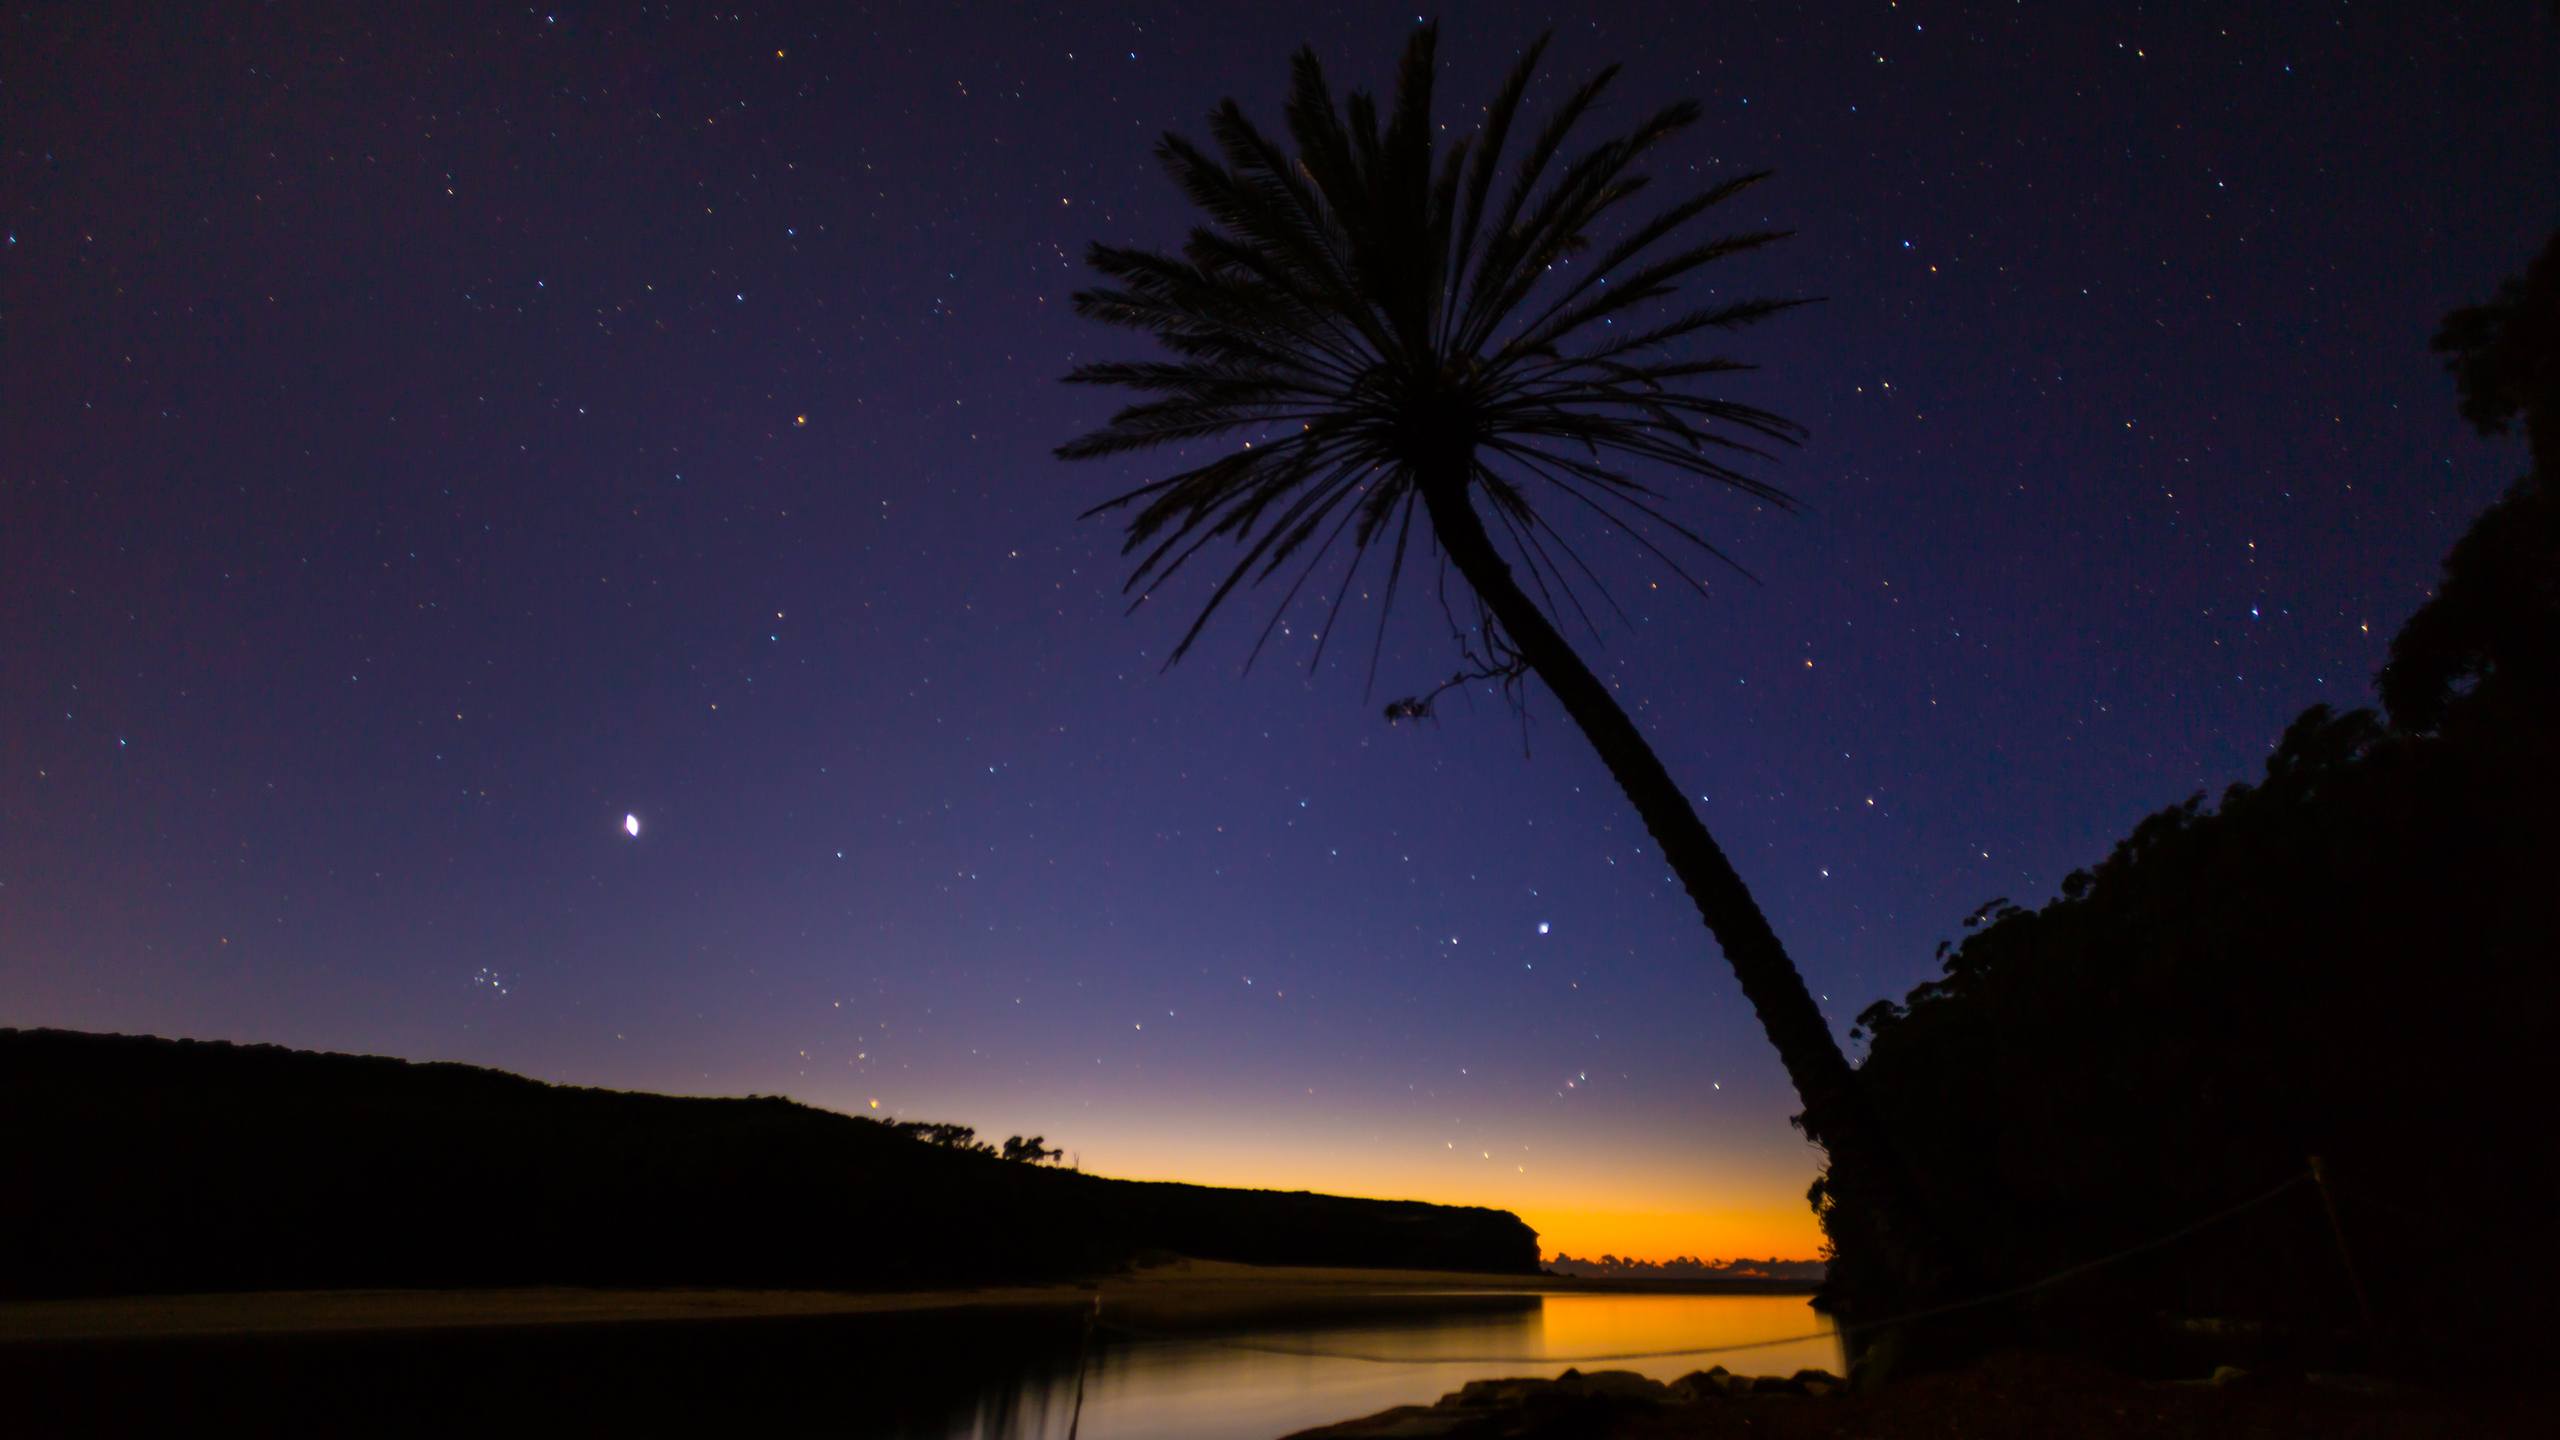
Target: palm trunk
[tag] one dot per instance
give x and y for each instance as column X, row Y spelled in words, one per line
column 1835, row 1114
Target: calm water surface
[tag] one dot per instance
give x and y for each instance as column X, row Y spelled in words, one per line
column 978, row 1373
column 1264, row 1382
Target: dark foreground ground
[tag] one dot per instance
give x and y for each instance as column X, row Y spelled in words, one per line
column 2008, row 1397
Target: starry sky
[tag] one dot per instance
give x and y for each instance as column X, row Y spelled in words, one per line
column 431, row 434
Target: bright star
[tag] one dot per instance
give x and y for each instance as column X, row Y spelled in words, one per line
column 631, row 826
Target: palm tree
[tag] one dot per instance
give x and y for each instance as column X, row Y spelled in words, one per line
column 1392, row 333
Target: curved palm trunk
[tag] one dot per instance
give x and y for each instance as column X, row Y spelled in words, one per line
column 1834, row 1112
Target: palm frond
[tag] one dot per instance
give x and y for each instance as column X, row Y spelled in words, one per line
column 1369, row 309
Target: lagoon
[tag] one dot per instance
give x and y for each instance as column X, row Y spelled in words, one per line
column 1190, row 1352
column 1261, row 1381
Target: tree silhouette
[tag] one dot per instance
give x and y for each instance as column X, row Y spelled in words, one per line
column 1030, row 1152
column 2342, row 960
column 946, row 1136
column 2505, row 357
column 1391, row 333
column 2489, row 637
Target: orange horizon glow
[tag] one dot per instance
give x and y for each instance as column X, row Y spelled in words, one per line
column 1647, row 1220
column 1658, row 1235
column 1649, row 1183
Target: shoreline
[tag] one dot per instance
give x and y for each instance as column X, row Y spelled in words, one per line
column 1202, row 1293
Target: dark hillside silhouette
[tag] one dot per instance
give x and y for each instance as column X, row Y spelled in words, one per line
column 2350, row 959
column 142, row 1165
column 2353, row 958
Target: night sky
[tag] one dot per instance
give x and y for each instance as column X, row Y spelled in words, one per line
column 429, row 434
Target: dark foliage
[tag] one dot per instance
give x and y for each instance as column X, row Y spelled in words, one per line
column 1034, row 1151
column 948, row 1137
column 2505, row 357
column 2488, row 639
column 2487, row 643
column 2350, row 959
column 140, row 1165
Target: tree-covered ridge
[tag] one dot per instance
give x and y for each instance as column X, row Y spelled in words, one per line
column 964, row 1138
column 2351, row 958
column 150, row 1165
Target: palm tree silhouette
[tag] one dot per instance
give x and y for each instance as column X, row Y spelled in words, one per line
column 1399, row 335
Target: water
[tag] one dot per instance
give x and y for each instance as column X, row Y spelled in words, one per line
column 1264, row 1381
column 983, row 1373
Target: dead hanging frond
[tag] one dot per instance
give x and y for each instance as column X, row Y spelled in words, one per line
column 1484, row 653
column 1418, row 707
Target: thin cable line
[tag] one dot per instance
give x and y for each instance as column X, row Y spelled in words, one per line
column 2085, row 1266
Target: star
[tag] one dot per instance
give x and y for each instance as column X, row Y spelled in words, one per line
column 631, row 826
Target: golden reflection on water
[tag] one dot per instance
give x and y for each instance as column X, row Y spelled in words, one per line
column 1572, row 1325
column 1262, row 1383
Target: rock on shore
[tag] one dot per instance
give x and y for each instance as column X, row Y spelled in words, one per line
column 2008, row 1396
